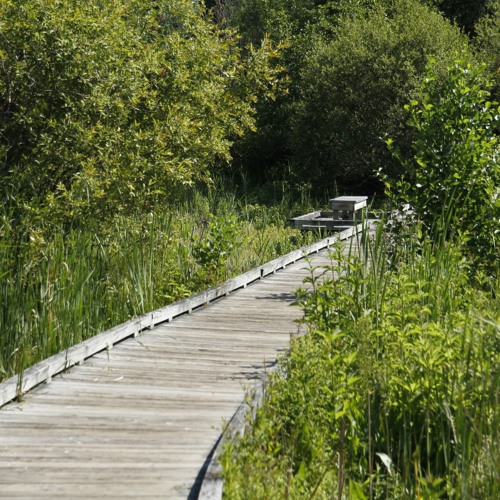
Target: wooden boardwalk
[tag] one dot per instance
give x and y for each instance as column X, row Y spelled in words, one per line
column 141, row 419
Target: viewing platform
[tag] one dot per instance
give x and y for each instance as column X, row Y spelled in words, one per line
column 345, row 212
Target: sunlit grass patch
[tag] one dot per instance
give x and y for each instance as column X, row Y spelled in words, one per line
column 59, row 286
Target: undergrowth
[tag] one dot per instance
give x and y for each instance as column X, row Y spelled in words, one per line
column 393, row 393
column 59, row 286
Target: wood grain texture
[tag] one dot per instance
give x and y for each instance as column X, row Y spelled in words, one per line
column 141, row 419
column 45, row 370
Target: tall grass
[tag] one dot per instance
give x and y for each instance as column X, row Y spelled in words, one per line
column 51, row 297
column 393, row 393
column 58, row 287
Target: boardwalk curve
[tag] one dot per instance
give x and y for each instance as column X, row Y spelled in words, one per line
column 139, row 420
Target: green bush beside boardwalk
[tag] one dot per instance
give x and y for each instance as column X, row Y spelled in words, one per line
column 394, row 391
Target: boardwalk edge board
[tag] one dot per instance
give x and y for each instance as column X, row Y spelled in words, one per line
column 212, row 485
column 43, row 371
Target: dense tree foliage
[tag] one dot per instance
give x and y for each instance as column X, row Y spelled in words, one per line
column 465, row 13
column 351, row 66
column 353, row 90
column 488, row 43
column 454, row 168
column 107, row 105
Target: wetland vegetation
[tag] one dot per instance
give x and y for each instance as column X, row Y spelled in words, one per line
column 149, row 149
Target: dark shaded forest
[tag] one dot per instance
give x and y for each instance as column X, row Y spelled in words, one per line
column 115, row 107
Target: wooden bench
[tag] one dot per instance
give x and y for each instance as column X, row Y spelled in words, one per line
column 348, row 207
column 345, row 212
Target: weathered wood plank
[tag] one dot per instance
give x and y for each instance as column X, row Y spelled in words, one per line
column 150, row 410
column 45, row 370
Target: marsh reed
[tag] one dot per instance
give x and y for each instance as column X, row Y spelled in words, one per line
column 394, row 392
column 61, row 285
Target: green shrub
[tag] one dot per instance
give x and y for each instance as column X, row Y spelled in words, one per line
column 353, row 88
column 393, row 393
column 487, row 42
column 113, row 106
column 216, row 245
column 350, row 67
column 454, row 171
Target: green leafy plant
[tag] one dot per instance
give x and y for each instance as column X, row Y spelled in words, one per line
column 112, row 107
column 454, row 172
column 393, row 393
column 487, row 41
column 351, row 66
column 216, row 247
